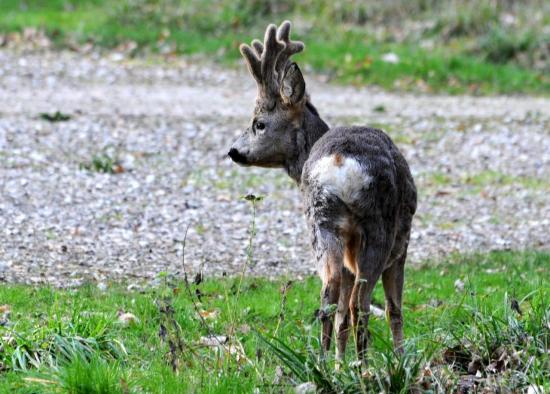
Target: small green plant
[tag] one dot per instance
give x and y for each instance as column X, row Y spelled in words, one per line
column 55, row 117
column 104, row 162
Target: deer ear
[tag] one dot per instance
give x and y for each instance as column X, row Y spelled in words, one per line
column 293, row 86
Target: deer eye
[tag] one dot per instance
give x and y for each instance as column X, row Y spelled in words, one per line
column 259, row 125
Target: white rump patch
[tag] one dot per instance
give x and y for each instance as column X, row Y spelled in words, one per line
column 342, row 176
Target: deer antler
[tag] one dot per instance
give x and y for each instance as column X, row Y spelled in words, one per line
column 291, row 47
column 266, row 62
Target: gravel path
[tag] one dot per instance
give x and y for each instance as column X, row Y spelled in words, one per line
column 482, row 167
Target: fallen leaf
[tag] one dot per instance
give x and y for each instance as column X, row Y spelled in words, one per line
column 8, row 339
column 236, row 349
column 441, row 193
column 427, row 371
column 212, row 314
column 214, row 340
column 466, row 383
column 244, row 328
column 39, row 380
column 127, row 318
column 279, row 373
column 221, row 345
column 5, row 313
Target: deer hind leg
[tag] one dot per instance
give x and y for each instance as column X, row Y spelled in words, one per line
column 371, row 261
column 330, row 271
column 343, row 315
column 392, row 280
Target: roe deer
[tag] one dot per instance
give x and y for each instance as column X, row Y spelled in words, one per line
column 358, row 191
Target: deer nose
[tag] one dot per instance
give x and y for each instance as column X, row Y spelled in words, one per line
column 236, row 156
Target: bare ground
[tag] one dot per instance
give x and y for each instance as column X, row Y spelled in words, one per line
column 482, row 167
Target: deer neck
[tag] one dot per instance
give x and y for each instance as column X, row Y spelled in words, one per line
column 313, row 128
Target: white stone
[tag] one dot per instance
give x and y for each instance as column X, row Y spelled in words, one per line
column 390, row 57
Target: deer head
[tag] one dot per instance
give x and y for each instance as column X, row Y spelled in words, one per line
column 271, row 137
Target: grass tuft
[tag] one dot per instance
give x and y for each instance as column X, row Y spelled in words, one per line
column 105, row 162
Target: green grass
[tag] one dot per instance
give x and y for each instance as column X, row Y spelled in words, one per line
column 71, row 341
column 471, row 52
column 476, row 182
column 485, row 178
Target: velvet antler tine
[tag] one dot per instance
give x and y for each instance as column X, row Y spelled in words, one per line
column 258, row 47
column 283, row 33
column 291, row 47
column 272, row 49
column 252, row 62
